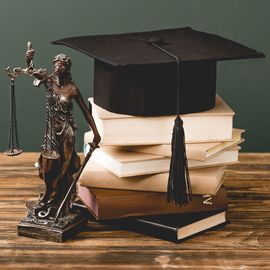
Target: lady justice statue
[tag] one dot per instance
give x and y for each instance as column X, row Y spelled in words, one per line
column 51, row 217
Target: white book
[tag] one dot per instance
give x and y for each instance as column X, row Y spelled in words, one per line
column 119, row 129
column 194, row 151
column 125, row 164
column 203, row 181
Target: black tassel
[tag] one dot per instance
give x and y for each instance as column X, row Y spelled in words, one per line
column 179, row 188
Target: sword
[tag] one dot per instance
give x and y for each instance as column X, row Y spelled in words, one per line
column 93, row 146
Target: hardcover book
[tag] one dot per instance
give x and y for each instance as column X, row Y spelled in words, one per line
column 106, row 204
column 194, row 151
column 175, row 227
column 203, row 181
column 126, row 163
column 119, row 129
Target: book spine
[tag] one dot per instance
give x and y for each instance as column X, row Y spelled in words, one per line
column 86, row 148
column 147, row 203
column 155, row 230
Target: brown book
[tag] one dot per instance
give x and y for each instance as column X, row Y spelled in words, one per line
column 107, row 204
column 203, row 181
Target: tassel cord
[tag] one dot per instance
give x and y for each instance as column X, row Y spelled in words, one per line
column 179, row 187
column 177, row 74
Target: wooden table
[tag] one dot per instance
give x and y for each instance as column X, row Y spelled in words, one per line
column 242, row 244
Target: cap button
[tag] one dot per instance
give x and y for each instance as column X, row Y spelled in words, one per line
column 156, row 40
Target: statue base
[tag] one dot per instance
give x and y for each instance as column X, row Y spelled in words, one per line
column 47, row 229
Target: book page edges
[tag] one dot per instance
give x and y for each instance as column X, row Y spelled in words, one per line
column 221, row 108
column 96, row 176
column 201, row 225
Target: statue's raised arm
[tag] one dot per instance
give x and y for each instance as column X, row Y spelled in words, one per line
column 41, row 74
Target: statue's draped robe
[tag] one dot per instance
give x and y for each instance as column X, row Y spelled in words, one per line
column 58, row 173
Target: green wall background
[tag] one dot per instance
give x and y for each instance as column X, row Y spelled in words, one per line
column 243, row 84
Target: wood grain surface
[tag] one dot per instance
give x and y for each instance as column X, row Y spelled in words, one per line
column 243, row 244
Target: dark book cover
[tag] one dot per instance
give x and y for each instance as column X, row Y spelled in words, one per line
column 178, row 227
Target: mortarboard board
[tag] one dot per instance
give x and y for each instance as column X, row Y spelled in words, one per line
column 136, row 74
column 132, row 77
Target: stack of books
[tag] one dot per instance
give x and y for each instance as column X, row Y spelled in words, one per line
column 128, row 175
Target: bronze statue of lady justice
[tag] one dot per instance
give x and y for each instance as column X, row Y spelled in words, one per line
column 51, row 217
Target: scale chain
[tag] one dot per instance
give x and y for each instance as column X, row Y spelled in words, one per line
column 50, row 145
column 13, row 147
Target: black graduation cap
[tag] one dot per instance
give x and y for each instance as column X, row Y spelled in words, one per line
column 132, row 77
column 159, row 73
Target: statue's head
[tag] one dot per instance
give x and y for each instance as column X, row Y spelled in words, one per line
column 62, row 64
